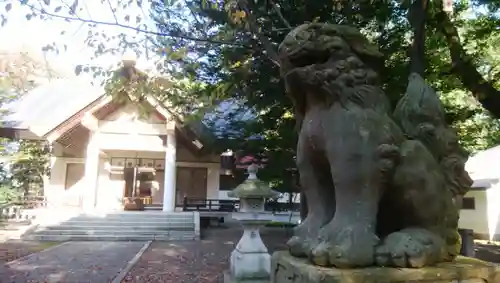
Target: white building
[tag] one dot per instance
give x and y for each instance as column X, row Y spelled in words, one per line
column 481, row 205
column 105, row 151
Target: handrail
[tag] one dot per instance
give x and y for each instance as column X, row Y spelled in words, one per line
column 200, row 204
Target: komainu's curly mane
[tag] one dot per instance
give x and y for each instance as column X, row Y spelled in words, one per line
column 332, row 60
column 336, row 62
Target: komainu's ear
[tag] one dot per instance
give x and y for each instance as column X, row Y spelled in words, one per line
column 358, row 42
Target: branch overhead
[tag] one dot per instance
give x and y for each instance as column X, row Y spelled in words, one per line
column 137, row 29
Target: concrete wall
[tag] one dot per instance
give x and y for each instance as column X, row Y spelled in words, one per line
column 56, row 193
column 484, row 219
column 475, row 219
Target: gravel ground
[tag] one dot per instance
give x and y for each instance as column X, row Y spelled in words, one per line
column 12, row 250
column 75, row 262
column 196, row 262
column 206, row 260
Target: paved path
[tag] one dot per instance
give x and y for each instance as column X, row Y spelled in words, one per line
column 75, row 262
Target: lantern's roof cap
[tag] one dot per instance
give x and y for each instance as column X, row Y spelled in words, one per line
column 253, row 187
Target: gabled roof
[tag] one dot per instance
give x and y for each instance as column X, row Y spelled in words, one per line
column 48, row 105
column 64, row 101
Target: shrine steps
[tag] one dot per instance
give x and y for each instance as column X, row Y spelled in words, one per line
column 121, row 226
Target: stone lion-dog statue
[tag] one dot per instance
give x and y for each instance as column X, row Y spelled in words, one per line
column 382, row 187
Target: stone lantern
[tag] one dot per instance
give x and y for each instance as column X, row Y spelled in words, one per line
column 250, row 260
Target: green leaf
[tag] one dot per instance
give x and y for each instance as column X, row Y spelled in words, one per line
column 47, row 2
column 8, row 7
column 127, row 18
column 58, row 9
column 29, row 16
column 78, row 69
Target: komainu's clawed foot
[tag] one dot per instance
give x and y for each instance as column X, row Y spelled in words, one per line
column 300, row 246
column 346, row 246
column 305, row 238
column 412, row 247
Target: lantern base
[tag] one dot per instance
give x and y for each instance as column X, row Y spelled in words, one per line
column 246, row 265
column 228, row 279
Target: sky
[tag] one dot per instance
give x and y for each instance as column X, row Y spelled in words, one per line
column 32, row 35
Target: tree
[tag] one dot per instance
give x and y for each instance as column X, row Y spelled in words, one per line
column 29, row 167
column 25, row 162
column 226, row 50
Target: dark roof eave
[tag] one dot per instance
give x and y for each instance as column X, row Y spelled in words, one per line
column 196, row 130
column 16, row 133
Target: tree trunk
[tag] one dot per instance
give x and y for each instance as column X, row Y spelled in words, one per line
column 417, row 16
column 464, row 67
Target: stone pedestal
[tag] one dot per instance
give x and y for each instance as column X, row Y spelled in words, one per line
column 250, row 260
column 288, row 269
column 229, row 279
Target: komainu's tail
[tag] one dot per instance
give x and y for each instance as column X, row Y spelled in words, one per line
column 420, row 115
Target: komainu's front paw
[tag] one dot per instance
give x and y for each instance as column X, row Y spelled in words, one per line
column 300, row 246
column 411, row 248
column 305, row 238
column 346, row 247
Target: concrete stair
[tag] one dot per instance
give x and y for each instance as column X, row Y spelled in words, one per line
column 121, row 226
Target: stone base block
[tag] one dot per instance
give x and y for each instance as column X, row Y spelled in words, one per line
column 288, row 269
column 245, row 264
column 228, row 279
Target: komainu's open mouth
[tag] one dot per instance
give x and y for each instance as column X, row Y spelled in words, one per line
column 303, row 58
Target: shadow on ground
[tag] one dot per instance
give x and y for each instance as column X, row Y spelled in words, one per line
column 202, row 261
column 178, row 262
column 15, row 249
column 489, row 253
column 75, row 262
